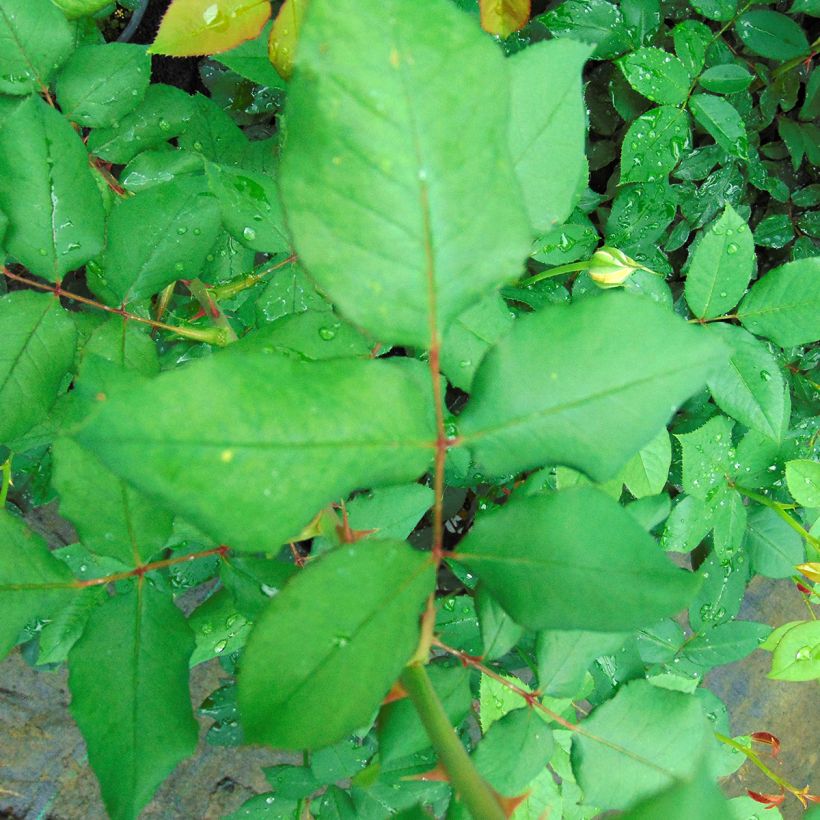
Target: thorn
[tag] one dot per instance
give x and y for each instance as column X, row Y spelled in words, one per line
column 510, row 804
column 435, row 775
column 397, row 692
column 198, row 315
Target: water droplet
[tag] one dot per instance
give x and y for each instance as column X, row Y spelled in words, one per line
column 765, row 375
column 803, row 654
column 182, row 230
column 164, row 125
column 220, row 646
column 731, row 248
column 249, row 234
column 327, row 333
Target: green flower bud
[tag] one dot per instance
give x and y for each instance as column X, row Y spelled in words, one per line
column 609, row 267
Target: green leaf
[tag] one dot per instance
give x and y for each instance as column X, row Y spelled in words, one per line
column 720, row 10
column 128, row 676
column 654, row 143
column 772, row 35
column 80, row 8
column 725, row 643
column 706, row 456
column 750, row 387
column 28, row 59
column 683, row 801
column 691, row 39
column 564, row 656
column 470, row 336
column 212, row 133
column 220, row 422
column 591, row 21
column 122, row 522
column 797, row 655
column 646, row 472
column 401, row 732
column 308, row 645
column 384, row 157
column 722, row 122
column 162, row 115
column 499, row 632
column 101, row 84
column 38, row 346
column 726, row 79
column 656, row 74
column 803, row 480
column 784, row 304
column 314, row 334
column 30, row 580
column 193, row 27
column 721, row 267
column 156, row 237
column 775, row 231
column 774, row 548
column 514, row 751
column 53, row 204
column 534, row 554
column 547, row 124
column 645, row 739
column 250, row 60
column 585, row 383
column 249, row 204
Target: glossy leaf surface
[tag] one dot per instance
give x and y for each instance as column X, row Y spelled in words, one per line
column 28, row 60
column 546, row 128
column 516, row 420
column 52, row 202
column 307, row 644
column 722, row 265
column 192, row 27
column 535, row 553
column 129, row 686
column 281, row 437
column 784, row 304
column 389, row 186
column 39, row 340
column 656, row 737
column 30, row 580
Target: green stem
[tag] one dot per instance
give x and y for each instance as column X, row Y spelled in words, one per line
column 5, row 469
column 478, row 797
column 561, row 269
column 228, row 290
column 780, row 509
column 757, row 761
column 208, row 303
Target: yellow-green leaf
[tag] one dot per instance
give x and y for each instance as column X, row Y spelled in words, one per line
column 503, row 17
column 193, row 27
column 284, row 35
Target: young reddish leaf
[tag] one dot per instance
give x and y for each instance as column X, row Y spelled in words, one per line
column 285, row 34
column 503, row 17
column 771, row 800
column 768, row 738
column 193, row 27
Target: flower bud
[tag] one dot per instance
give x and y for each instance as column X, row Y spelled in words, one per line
column 609, row 267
